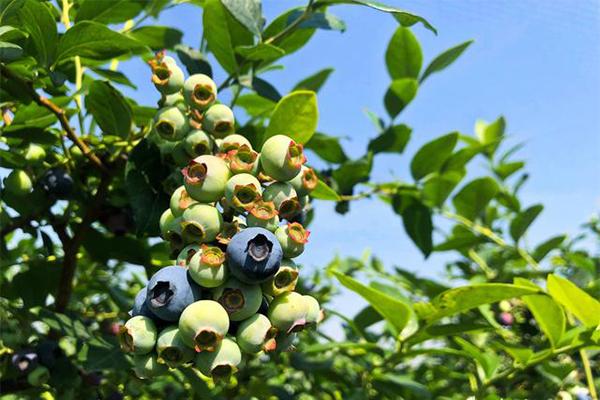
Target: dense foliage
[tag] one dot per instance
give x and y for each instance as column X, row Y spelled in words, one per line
column 84, row 192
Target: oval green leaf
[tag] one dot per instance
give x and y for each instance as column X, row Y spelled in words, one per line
column 295, row 115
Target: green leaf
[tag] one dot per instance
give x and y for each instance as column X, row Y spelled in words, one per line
column 327, row 147
column 549, row 316
column 393, row 140
column 318, row 20
column 194, row 61
column 403, row 56
column 109, row 12
column 353, row 172
column 9, row 159
column 432, row 155
column 575, row 300
column 255, row 105
column 295, row 115
column 292, row 42
column 445, row 59
column 37, row 20
column 114, row 76
column 438, row 186
column 9, row 51
column 504, row 170
column 315, row 81
column 546, row 247
column 157, row 37
column 265, row 89
column 417, row 223
column 464, row 298
column 111, row 111
column 324, row 192
column 247, row 12
column 95, row 41
column 400, row 93
column 522, row 221
column 490, row 135
column 475, row 196
column 122, row 248
column 394, row 385
column 261, row 52
column 394, row 311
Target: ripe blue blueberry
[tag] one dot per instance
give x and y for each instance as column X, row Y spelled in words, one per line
column 170, row 291
column 254, row 255
column 140, row 307
column 58, row 183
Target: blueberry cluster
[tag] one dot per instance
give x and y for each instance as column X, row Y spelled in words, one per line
column 234, row 225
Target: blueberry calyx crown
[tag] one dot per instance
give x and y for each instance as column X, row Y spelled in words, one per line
column 259, row 247
column 161, row 294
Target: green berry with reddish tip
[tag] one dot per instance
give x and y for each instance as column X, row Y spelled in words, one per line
column 288, row 311
column 219, row 121
column 186, row 254
column 18, row 183
column 207, row 267
column 242, row 191
column 138, row 335
column 203, row 325
column 171, row 124
column 256, row 334
column 35, row 154
column 281, row 158
column 284, row 280
column 239, row 299
column 180, row 201
column 201, row 223
column 205, row 178
column 229, row 230
column 170, row 228
column 147, row 366
column 264, row 215
column 198, row 143
column 305, row 181
column 242, row 160
column 283, row 195
column 39, row 376
column 200, row 91
column 292, row 238
column 221, row 363
column 166, row 75
column 171, row 349
column 180, row 157
column 233, row 142
column 314, row 314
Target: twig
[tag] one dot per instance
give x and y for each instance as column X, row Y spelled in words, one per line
column 589, row 376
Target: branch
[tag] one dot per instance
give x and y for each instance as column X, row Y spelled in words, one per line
column 60, row 114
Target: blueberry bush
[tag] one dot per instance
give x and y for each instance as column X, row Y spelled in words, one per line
column 155, row 240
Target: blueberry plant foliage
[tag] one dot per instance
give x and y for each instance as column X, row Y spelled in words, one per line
column 85, row 187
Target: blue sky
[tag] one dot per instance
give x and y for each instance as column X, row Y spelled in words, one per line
column 537, row 63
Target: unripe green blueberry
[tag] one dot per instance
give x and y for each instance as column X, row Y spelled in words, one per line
column 201, row 223
column 186, row 254
column 264, row 215
column 314, row 314
column 170, row 228
column 233, row 142
column 283, row 195
column 288, row 312
column 38, row 376
column 205, row 178
column 18, row 183
column 174, row 100
column 256, row 334
column 305, row 181
column 219, row 121
column 203, row 325
column 229, row 230
column 239, row 299
column 284, row 280
column 243, row 160
column 146, row 366
column 180, row 157
column 138, row 335
column 281, row 158
column 180, row 201
column 200, row 91
column 222, row 362
column 207, row 267
column 171, row 124
column 242, row 191
column 166, row 75
column 292, row 238
column 197, row 143
column 35, row 154
column 171, row 349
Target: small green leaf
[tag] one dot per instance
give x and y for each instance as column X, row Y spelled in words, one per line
column 504, row 170
column 194, row 61
column 261, row 52
column 292, row 42
column 255, row 105
column 318, row 20
column 114, row 76
column 432, row 155
column 403, row 56
column 475, row 196
column 575, row 300
column 546, row 247
column 9, row 51
column 522, row 221
column 109, row 108
column 315, row 81
column 37, row 20
column 247, row 13
column 296, row 116
column 393, row 140
column 438, row 186
column 445, row 59
column 353, row 172
column 417, row 223
column 265, row 89
column 109, row 12
column 157, row 37
column 549, row 316
column 327, row 147
column 324, row 192
column 394, row 311
column 92, row 40
column 490, row 135
column 217, row 34
column 400, row 93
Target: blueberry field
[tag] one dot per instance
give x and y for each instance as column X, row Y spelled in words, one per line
column 165, row 206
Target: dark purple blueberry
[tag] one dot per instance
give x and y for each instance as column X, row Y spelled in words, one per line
column 24, row 361
column 170, row 291
column 58, row 183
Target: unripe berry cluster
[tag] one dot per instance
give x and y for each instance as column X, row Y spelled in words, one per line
column 233, row 224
